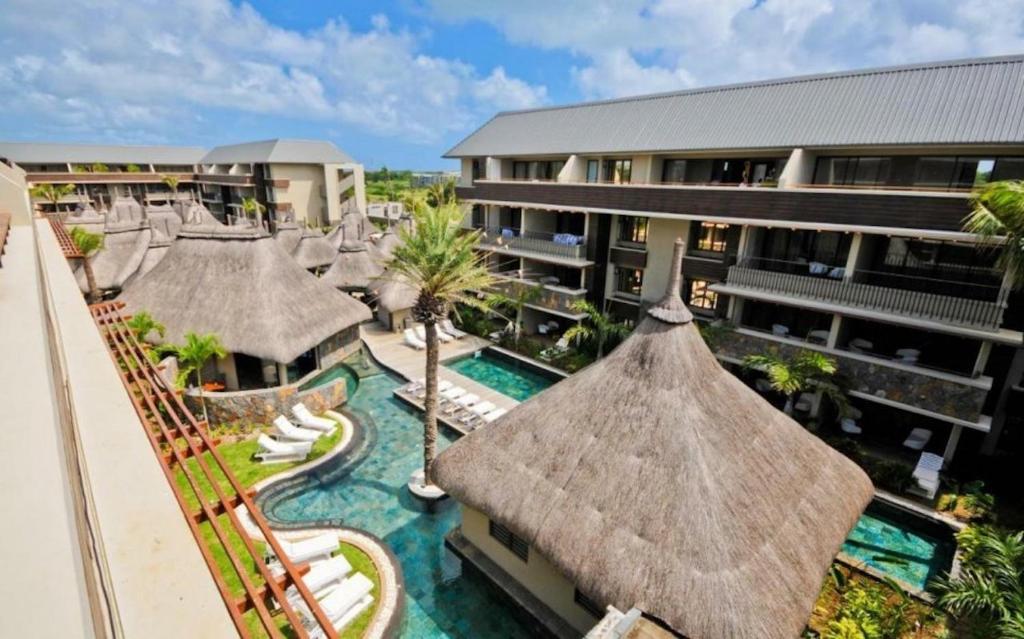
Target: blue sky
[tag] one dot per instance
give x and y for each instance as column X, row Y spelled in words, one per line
column 399, row 83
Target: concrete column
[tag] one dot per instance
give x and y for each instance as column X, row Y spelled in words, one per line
column 799, row 169
column 494, row 169
column 833, row 331
column 282, row 374
column 983, row 354
column 951, row 443
column 851, row 258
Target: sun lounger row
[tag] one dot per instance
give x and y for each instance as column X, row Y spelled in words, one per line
column 342, row 596
column 416, row 337
column 458, row 404
column 293, row 441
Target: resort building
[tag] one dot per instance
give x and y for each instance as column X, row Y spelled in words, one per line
column 655, row 479
column 821, row 212
column 309, row 181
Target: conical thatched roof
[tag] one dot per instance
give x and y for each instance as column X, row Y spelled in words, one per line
column 353, row 269
column 288, row 235
column 88, row 218
column 194, row 214
column 357, row 226
column 125, row 210
column 393, row 295
column 124, row 247
column 313, row 250
column 241, row 285
column 655, row 478
column 163, row 218
column 384, row 248
column 158, row 247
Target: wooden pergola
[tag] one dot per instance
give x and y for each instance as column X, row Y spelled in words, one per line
column 177, row 436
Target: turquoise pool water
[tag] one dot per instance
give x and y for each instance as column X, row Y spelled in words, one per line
column 900, row 545
column 507, row 375
column 366, row 490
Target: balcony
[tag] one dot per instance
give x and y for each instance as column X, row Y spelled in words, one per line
column 973, row 306
column 105, row 177
column 553, row 298
column 571, row 249
column 938, row 212
column 952, row 397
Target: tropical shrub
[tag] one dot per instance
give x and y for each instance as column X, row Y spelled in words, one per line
column 968, row 502
column 871, row 612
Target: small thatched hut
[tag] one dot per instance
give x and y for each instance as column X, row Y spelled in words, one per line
column 124, row 247
column 313, row 251
column 288, row 235
column 656, row 479
column 278, row 321
column 353, row 269
column 395, row 300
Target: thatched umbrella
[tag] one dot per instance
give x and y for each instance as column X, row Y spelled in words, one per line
column 241, row 285
column 124, row 247
column 655, row 478
column 288, row 235
column 164, row 219
column 313, row 250
column 353, row 269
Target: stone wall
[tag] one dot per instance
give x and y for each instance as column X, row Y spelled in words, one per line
column 261, row 406
column 932, row 393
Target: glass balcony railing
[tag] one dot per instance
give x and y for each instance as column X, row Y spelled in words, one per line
column 955, row 302
column 564, row 245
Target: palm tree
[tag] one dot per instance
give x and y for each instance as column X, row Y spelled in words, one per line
column 172, row 183
column 52, row 193
column 142, row 324
column 192, row 357
column 87, row 244
column 596, row 326
column 516, row 302
column 441, row 261
column 988, row 593
column 250, row 206
column 998, row 212
column 99, row 167
column 441, row 193
column 805, row 370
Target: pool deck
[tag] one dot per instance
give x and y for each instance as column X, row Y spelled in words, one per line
column 390, row 350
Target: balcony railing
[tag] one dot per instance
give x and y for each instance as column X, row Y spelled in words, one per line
column 552, row 297
column 963, row 304
column 557, row 244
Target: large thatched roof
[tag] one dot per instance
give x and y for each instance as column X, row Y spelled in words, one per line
column 353, row 269
column 124, row 247
column 288, row 235
column 393, row 294
column 655, row 478
column 383, row 249
column 164, row 219
column 159, row 244
column 241, row 285
column 313, row 250
column 124, row 210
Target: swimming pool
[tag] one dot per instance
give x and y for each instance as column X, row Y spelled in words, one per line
column 900, row 545
column 366, row 490
column 506, row 374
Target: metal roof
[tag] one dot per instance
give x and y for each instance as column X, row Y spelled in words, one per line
column 976, row 101
column 278, row 151
column 59, row 153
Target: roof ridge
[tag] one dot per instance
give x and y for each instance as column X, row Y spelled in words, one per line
column 796, row 79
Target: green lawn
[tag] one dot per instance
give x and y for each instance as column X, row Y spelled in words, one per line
column 249, row 471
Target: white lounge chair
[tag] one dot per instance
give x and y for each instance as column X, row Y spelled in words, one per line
column 448, row 327
column 918, row 439
column 849, row 426
column 309, row 420
column 290, row 432
column 452, row 393
column 341, row 605
column 415, row 386
column 467, row 400
column 275, row 452
column 482, row 408
column 494, row 414
column 442, row 386
column 561, row 346
column 413, row 341
column 311, row 549
column 926, row 473
column 780, row 329
column 908, row 355
column 322, row 577
column 421, row 332
column 860, row 345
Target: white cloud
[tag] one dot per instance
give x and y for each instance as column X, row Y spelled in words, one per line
column 626, row 47
column 143, row 69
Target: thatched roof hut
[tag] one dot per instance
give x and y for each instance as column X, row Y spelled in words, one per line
column 124, row 247
column 353, row 269
column 655, row 478
column 384, row 248
column 159, row 244
column 288, row 235
column 313, row 250
column 395, row 300
column 86, row 217
column 125, row 210
column 241, row 285
column 195, row 214
column 164, row 219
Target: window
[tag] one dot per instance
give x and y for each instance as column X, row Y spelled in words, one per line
column 953, row 172
column 633, row 229
column 866, row 171
column 712, row 237
column 700, row 296
column 479, row 216
column 510, row 218
column 520, row 170
column 510, row 540
column 593, row 171
column 629, row 281
column 618, row 171
column 673, row 171
column 587, row 604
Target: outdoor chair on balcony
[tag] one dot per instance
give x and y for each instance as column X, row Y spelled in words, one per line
column 918, row 439
column 817, row 268
column 288, row 431
column 309, row 420
column 859, row 345
column 837, row 273
column 780, row 329
column 819, row 336
column 849, row 426
column 908, row 355
column 926, row 473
